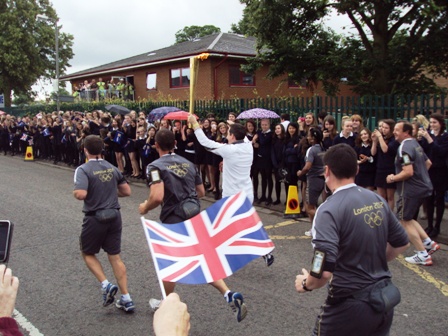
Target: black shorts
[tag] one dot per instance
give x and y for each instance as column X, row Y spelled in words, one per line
column 96, row 235
column 352, row 317
column 380, row 181
column 407, row 207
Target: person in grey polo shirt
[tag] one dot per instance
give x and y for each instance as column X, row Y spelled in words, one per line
column 99, row 184
column 413, row 185
column 355, row 235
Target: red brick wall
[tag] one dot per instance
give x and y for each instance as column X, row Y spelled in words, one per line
column 205, row 89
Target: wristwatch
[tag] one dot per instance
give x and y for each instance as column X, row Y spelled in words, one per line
column 304, row 285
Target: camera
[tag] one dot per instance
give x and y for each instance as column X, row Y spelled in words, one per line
column 6, row 228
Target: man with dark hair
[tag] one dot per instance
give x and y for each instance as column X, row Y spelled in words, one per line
column 355, row 234
column 284, row 120
column 237, row 157
column 320, row 119
column 175, row 184
column 264, row 161
column 99, row 184
column 413, row 185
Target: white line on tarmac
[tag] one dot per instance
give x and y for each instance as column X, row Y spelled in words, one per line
column 25, row 324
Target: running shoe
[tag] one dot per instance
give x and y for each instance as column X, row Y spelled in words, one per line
column 308, row 233
column 433, row 247
column 269, row 259
column 419, row 260
column 127, row 306
column 237, row 305
column 154, row 304
column 109, row 294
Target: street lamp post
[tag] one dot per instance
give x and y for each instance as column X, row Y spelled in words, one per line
column 41, row 17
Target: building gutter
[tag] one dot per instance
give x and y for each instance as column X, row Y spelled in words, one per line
column 141, row 65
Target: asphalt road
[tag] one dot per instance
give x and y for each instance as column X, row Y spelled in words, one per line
column 59, row 296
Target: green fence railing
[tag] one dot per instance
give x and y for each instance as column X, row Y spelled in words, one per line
column 371, row 108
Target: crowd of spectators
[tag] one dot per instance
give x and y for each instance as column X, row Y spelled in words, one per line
column 285, row 153
column 100, row 89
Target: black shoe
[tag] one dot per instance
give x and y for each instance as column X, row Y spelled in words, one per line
column 268, row 202
column 429, row 229
column 277, row 202
column 269, row 259
column 217, row 196
column 261, row 200
column 434, row 233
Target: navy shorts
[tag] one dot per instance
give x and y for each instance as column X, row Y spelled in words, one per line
column 96, row 235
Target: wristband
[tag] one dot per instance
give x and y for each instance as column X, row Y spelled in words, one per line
column 304, row 285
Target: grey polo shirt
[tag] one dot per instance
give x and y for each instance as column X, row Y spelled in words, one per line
column 314, row 154
column 179, row 177
column 419, row 184
column 101, row 180
column 353, row 227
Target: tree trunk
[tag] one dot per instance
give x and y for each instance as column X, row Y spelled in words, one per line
column 7, row 94
column 381, row 40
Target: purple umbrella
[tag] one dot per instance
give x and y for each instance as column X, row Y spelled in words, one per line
column 257, row 113
column 159, row 112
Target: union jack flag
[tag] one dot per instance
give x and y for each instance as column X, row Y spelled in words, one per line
column 210, row 246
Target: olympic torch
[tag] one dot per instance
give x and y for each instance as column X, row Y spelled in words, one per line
column 194, row 66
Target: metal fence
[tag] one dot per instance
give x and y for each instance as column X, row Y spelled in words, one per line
column 371, row 108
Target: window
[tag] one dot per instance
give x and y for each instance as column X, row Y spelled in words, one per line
column 151, row 80
column 180, row 77
column 240, row 78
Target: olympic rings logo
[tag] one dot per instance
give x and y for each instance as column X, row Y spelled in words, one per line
column 106, row 177
column 374, row 218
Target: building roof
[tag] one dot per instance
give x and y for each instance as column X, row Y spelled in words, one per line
column 215, row 44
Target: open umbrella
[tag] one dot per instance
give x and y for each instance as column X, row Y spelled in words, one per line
column 117, row 109
column 178, row 115
column 159, row 112
column 258, row 113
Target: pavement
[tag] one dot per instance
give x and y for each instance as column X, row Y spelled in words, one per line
column 280, row 208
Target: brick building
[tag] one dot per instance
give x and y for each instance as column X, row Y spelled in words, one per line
column 164, row 74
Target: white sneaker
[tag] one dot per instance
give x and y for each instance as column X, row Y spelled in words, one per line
column 417, row 259
column 308, row 233
column 154, row 304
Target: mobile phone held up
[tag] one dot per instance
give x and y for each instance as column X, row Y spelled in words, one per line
column 6, row 228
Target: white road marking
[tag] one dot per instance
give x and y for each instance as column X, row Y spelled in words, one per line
column 25, row 324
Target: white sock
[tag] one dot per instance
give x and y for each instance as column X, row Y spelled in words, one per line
column 427, row 241
column 105, row 283
column 422, row 253
column 126, row 297
column 226, row 296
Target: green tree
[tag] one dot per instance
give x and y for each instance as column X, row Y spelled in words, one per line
column 28, row 46
column 24, row 98
column 395, row 46
column 190, row 33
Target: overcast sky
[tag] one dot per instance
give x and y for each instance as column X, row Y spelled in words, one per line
column 109, row 30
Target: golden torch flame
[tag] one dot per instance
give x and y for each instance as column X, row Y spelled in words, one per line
column 194, row 66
